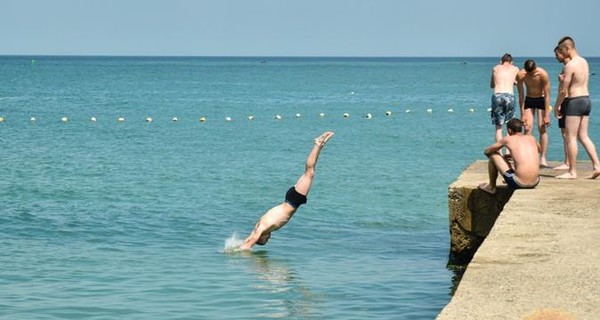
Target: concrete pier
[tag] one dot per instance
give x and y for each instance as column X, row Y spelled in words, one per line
column 542, row 254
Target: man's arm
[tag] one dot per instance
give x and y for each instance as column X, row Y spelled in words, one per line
column 563, row 90
column 521, row 90
column 495, row 147
column 546, row 85
column 253, row 237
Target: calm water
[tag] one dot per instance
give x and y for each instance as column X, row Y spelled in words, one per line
column 128, row 220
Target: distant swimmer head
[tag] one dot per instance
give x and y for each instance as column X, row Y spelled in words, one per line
column 264, row 238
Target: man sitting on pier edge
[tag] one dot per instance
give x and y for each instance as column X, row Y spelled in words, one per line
column 524, row 150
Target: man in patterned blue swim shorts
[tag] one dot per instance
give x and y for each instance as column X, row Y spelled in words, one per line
column 503, row 80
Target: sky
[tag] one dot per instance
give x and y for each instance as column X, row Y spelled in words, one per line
column 353, row 28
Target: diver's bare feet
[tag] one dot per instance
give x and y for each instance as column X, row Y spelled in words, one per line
column 567, row 175
column 485, row 187
column 563, row 166
column 322, row 139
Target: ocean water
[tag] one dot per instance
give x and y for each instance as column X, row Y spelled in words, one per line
column 129, row 220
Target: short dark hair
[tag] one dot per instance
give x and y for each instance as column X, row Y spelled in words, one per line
column 529, row 65
column 515, row 125
column 506, row 58
column 566, row 42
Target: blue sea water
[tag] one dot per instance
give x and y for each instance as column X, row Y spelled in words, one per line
column 128, row 220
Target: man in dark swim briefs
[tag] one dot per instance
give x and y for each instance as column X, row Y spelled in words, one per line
column 577, row 111
column 533, row 85
column 279, row 215
column 524, row 152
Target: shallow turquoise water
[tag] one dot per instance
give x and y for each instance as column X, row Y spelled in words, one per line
column 128, row 220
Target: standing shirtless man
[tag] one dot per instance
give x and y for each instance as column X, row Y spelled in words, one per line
column 561, row 119
column 504, row 76
column 578, row 108
column 535, row 101
column 279, row 215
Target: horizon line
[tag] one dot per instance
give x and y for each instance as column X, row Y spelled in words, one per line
column 260, row 56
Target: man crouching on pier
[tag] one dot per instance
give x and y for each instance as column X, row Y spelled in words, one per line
column 524, row 151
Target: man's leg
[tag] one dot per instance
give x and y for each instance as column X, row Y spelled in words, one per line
column 543, row 137
column 589, row 146
column 498, row 133
column 528, row 117
column 305, row 181
column 497, row 163
column 565, row 164
column 572, row 128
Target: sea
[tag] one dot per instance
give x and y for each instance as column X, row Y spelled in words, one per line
column 124, row 180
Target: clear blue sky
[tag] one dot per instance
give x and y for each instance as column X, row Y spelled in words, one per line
column 296, row 27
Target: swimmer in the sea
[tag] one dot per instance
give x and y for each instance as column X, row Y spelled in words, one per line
column 279, row 215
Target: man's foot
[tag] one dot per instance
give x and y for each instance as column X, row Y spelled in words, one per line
column 594, row 175
column 567, row 175
column 322, row 139
column 485, row 187
column 563, row 166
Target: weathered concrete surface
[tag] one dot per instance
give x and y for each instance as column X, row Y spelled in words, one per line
column 543, row 252
column 472, row 213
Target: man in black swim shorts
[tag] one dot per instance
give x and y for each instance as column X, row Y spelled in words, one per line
column 279, row 215
column 533, row 85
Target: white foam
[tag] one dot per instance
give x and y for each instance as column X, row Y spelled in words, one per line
column 232, row 243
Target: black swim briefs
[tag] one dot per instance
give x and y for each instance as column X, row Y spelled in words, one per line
column 294, row 199
column 535, row 103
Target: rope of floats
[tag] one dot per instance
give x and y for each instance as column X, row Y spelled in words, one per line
column 369, row 115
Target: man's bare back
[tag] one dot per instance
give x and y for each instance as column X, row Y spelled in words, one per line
column 503, row 78
column 524, row 151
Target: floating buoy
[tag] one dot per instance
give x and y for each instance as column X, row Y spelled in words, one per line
column 278, row 117
column 368, row 116
column 346, row 115
column 408, row 111
column 64, row 119
column 352, row 92
column 471, row 110
column 250, row 117
column 121, row 119
column 298, row 115
column 321, row 114
column 228, row 119
column 32, row 119
column 175, row 119
column 202, row 119
column 93, row 119
column 450, row 110
column 388, row 113
column 2, row 119
column 148, row 119
column 489, row 109
column 430, row 111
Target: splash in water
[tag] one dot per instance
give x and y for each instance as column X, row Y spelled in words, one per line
column 232, row 243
